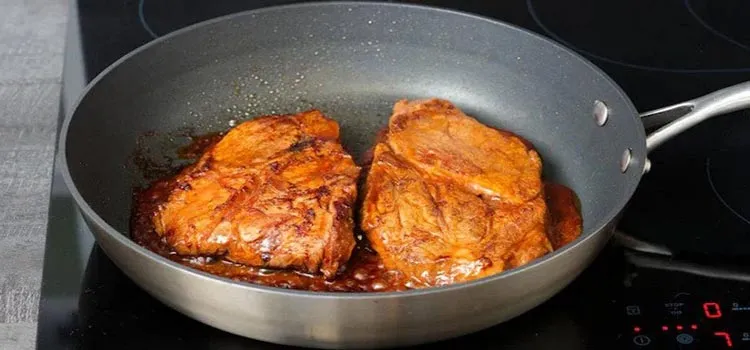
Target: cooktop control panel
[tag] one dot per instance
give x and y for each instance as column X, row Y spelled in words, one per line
column 673, row 310
column 685, row 319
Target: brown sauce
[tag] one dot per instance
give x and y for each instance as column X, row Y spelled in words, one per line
column 364, row 271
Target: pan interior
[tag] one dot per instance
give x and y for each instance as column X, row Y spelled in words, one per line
column 352, row 62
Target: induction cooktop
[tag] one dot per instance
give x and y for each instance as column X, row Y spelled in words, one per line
column 675, row 277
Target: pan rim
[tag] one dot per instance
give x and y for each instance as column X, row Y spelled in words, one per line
column 125, row 240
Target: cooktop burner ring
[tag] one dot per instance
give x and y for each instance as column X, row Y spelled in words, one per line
column 535, row 16
column 710, row 28
column 722, row 198
column 142, row 19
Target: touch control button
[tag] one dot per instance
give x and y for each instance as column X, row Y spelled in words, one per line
column 684, row 338
column 641, row 340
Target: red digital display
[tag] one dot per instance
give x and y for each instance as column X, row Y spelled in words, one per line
column 712, row 310
column 727, row 338
column 678, row 327
column 636, row 329
column 664, row 328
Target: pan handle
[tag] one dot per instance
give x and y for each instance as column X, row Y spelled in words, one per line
column 695, row 111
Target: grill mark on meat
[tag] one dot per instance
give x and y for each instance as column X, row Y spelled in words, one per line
column 322, row 191
column 436, row 208
column 274, row 167
column 341, row 210
column 206, row 164
column 300, row 145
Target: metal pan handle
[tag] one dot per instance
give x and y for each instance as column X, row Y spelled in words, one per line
column 695, row 111
column 676, row 119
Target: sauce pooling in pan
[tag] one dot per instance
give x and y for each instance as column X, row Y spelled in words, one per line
column 364, row 271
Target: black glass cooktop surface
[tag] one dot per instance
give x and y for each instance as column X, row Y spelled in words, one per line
column 690, row 292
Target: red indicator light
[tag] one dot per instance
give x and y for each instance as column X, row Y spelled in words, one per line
column 679, row 327
column 727, row 338
column 636, row 329
column 664, row 328
column 712, row 310
column 694, row 326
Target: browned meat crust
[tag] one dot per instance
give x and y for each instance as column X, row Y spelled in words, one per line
column 276, row 191
column 448, row 199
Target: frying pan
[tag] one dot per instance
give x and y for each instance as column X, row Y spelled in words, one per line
column 353, row 61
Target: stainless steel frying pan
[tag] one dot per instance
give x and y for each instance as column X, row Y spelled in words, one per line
column 353, row 61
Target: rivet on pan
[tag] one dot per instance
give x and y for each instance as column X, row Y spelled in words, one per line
column 625, row 161
column 601, row 112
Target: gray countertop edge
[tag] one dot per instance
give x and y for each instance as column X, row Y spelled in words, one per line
column 31, row 59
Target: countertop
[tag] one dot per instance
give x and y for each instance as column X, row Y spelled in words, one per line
column 32, row 36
